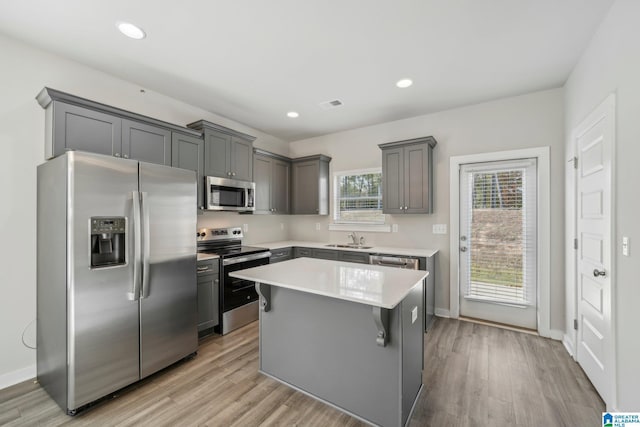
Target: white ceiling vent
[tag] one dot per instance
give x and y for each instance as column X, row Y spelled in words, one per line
column 328, row 105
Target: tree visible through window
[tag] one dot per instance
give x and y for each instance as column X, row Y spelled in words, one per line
column 358, row 197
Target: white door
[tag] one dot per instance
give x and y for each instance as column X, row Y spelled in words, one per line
column 593, row 141
column 498, row 242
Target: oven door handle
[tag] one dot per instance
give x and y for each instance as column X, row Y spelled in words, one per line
column 252, row 257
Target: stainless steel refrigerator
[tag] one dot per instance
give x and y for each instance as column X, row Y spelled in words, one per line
column 116, row 274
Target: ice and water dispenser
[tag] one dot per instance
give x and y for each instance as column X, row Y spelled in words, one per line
column 108, row 238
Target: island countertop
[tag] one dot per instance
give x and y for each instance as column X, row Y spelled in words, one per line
column 366, row 284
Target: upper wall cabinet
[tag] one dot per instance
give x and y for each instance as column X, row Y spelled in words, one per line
column 74, row 123
column 310, row 185
column 187, row 152
column 407, row 176
column 271, row 174
column 227, row 153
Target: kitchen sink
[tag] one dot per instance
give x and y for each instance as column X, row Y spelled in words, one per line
column 352, row 246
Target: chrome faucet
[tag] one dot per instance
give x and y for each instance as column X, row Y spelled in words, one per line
column 354, row 237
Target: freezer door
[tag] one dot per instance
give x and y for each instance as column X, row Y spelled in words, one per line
column 168, row 304
column 102, row 318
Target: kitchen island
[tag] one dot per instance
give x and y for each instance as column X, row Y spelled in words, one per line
column 347, row 334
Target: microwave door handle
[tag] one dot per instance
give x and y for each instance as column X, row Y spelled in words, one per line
column 144, row 291
column 134, row 295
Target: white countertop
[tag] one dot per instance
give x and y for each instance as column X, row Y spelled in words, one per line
column 361, row 283
column 204, row 257
column 374, row 249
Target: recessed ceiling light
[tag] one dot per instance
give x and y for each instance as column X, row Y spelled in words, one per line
column 293, row 114
column 404, row 83
column 131, row 30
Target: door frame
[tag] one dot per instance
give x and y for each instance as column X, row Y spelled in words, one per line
column 543, row 233
column 570, row 340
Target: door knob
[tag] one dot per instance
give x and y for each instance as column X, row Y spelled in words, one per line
column 463, row 249
column 597, row 273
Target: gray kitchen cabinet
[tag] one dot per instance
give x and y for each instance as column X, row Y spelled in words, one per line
column 145, row 142
column 407, row 176
column 74, row 123
column 310, row 185
column 357, row 257
column 79, row 128
column 271, row 174
column 302, row 252
column 208, row 296
column 325, row 254
column 280, row 254
column 227, row 153
column 187, row 152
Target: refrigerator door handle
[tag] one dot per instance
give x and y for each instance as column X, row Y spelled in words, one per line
column 134, row 295
column 144, row 291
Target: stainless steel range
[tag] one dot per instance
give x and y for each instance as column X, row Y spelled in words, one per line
column 238, row 298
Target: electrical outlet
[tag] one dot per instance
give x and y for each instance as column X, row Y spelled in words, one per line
column 439, row 228
column 245, row 227
column 394, row 228
column 317, row 226
column 625, row 246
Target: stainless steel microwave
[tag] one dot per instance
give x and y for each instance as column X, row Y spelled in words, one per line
column 230, row 195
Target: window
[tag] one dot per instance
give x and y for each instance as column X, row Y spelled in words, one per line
column 358, row 197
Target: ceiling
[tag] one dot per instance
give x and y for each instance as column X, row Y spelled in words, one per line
column 254, row 60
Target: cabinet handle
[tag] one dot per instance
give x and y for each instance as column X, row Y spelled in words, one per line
column 228, row 173
column 117, row 154
column 233, row 174
column 126, row 156
column 401, row 207
column 406, row 207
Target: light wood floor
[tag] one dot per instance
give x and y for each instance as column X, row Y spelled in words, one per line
column 475, row 375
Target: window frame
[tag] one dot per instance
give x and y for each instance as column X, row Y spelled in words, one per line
column 336, row 222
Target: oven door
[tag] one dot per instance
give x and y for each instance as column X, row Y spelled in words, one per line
column 238, row 292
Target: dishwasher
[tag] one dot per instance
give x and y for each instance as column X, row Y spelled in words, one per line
column 410, row 263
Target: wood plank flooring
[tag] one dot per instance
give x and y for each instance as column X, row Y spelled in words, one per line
column 475, row 375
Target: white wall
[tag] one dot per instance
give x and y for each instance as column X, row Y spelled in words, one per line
column 24, row 72
column 531, row 120
column 611, row 63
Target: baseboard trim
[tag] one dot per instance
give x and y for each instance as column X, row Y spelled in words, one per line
column 442, row 312
column 17, row 376
column 568, row 345
column 555, row 334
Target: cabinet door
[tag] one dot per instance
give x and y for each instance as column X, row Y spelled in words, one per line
column 280, row 179
column 325, row 254
column 217, row 154
column 302, row 252
column 208, row 297
column 146, row 143
column 187, row 152
column 241, row 159
column 77, row 128
column 416, row 179
column 279, row 255
column 358, row 257
column 305, row 187
column 392, row 181
column 262, row 175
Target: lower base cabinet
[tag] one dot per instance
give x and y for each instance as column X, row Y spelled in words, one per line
column 208, row 296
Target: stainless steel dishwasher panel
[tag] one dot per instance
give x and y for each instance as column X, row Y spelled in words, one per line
column 396, row 262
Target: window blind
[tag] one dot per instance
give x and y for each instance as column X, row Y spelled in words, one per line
column 357, row 197
column 500, row 229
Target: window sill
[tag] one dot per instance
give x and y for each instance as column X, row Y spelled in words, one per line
column 371, row 228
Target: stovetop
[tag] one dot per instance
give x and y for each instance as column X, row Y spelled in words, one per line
column 234, row 251
column 224, row 242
